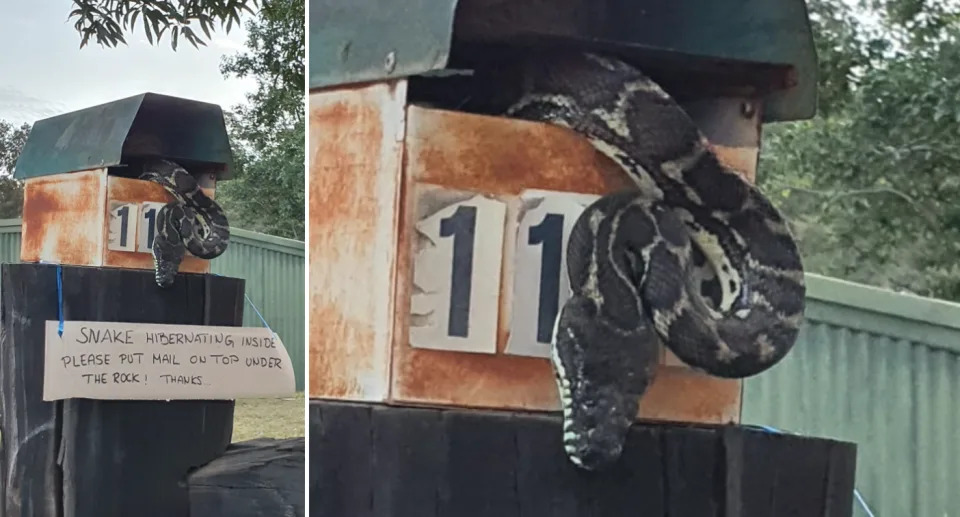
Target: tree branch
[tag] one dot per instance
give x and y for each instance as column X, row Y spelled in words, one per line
column 835, row 195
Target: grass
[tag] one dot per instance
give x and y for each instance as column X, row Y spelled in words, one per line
column 269, row 418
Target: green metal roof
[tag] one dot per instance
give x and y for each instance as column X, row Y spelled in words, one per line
column 355, row 41
column 106, row 135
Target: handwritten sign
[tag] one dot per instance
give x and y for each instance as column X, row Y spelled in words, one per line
column 456, row 278
column 540, row 282
column 125, row 361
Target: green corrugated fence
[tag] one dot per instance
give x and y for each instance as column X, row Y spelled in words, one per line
column 883, row 370
column 272, row 267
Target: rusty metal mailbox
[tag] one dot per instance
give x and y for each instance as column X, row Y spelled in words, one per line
column 83, row 204
column 436, row 232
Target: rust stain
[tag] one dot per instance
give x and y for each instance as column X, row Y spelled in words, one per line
column 330, row 373
column 134, row 190
column 680, row 394
column 334, row 155
column 65, row 220
column 62, row 218
column 504, row 157
column 354, row 174
column 500, row 156
column 140, row 191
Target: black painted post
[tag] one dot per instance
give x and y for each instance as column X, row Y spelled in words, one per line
column 370, row 460
column 91, row 458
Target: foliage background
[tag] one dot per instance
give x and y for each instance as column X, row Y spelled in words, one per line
column 872, row 184
column 267, row 132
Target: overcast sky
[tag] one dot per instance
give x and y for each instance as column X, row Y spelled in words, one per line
column 44, row 72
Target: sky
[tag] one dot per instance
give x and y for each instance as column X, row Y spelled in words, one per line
column 43, row 71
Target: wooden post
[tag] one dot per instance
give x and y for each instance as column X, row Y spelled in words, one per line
column 257, row 478
column 380, row 461
column 91, row 458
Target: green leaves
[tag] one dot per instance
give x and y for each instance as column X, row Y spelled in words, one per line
column 106, row 21
column 874, row 182
column 268, row 132
column 12, row 139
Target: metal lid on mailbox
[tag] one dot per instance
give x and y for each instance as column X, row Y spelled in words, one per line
column 148, row 124
column 766, row 44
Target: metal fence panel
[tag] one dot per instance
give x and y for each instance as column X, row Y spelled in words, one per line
column 273, row 268
column 880, row 369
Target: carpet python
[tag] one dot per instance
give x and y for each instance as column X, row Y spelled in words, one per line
column 191, row 222
column 695, row 257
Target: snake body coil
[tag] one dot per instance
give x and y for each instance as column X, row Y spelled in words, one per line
column 695, row 257
column 192, row 222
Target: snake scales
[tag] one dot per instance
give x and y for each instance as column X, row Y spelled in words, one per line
column 695, row 257
column 192, row 222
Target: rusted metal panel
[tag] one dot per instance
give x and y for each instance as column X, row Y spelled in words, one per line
column 356, row 137
column 63, row 218
column 139, row 191
column 499, row 157
column 503, row 157
column 66, row 220
column 363, row 212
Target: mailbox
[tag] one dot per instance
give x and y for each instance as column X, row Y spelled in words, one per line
column 436, row 231
column 83, row 204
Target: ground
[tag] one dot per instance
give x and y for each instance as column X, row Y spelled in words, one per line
column 269, row 418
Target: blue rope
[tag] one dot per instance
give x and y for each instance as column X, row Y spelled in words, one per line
column 60, row 299
column 254, row 308
column 258, row 312
column 856, row 493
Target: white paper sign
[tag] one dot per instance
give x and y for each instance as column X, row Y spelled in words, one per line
column 456, row 277
column 124, row 361
column 147, row 226
column 122, row 226
column 540, row 282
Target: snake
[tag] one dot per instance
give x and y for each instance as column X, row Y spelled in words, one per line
column 691, row 256
column 191, row 222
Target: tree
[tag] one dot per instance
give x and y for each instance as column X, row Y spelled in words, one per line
column 871, row 184
column 12, row 139
column 268, row 133
column 106, row 21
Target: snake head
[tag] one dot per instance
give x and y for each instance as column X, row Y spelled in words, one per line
column 601, row 373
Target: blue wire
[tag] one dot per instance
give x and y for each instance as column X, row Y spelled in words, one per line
column 254, row 308
column 60, row 299
column 856, row 493
column 258, row 312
